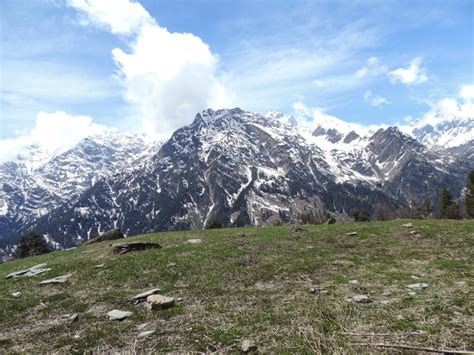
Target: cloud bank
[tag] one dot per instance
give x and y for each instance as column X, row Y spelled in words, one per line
column 167, row 77
column 53, row 133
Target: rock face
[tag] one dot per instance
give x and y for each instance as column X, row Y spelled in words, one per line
column 242, row 168
column 109, row 235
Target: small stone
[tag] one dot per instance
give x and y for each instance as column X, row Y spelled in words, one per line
column 160, row 302
column 57, row 280
column 384, row 302
column 313, row 290
column 143, row 296
column 99, row 266
column 118, row 315
column 354, row 282
column 73, row 317
column 418, row 286
column 400, row 317
column 351, row 233
column 413, row 232
column 77, row 336
column 361, row 299
column 171, row 265
column 145, row 333
column 407, row 225
column 414, row 277
column 16, row 294
column 142, row 326
column 194, row 241
column 248, row 346
column 179, row 299
column 412, row 293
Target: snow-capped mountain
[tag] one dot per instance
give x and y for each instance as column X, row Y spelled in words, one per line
column 448, row 125
column 246, row 168
column 40, row 180
column 233, row 165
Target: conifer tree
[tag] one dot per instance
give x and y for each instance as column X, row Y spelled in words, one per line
column 469, row 197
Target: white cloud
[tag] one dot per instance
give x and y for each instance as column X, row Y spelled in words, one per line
column 414, row 74
column 467, row 92
column 373, row 68
column 375, row 100
column 119, row 16
column 167, row 77
column 52, row 132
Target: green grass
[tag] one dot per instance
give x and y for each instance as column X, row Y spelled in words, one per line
column 253, row 287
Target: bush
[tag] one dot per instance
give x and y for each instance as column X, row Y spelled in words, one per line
column 213, row 223
column 31, row 245
column 469, row 197
column 310, row 218
column 447, row 207
column 360, row 215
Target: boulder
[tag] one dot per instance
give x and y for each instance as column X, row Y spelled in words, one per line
column 109, row 235
column 143, row 296
column 160, row 302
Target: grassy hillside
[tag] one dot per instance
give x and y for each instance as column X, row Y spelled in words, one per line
column 253, row 283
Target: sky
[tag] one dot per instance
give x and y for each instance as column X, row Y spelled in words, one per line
column 69, row 68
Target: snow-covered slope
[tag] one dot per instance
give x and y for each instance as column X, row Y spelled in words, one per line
column 40, row 181
column 448, row 125
column 246, row 168
column 237, row 166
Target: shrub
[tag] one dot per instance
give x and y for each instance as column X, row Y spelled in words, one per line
column 447, row 207
column 469, row 197
column 360, row 215
column 213, row 223
column 31, row 245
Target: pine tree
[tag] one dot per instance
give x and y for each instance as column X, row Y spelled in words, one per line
column 31, row 245
column 469, row 197
column 445, row 200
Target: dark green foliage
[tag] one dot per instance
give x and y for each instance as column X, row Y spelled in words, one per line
column 421, row 210
column 360, row 215
column 469, row 197
column 31, row 245
column 447, row 207
column 213, row 223
column 383, row 213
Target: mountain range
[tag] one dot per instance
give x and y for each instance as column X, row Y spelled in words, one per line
column 236, row 166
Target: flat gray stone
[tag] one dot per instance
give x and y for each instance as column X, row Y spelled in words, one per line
column 160, row 302
column 118, row 315
column 145, row 333
column 361, row 299
column 99, row 266
column 194, row 241
column 16, row 294
column 407, row 225
column 351, row 233
column 354, row 282
column 248, row 346
column 143, row 296
column 418, row 286
column 34, row 270
column 56, row 280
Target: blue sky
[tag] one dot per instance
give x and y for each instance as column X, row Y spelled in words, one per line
column 349, row 58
